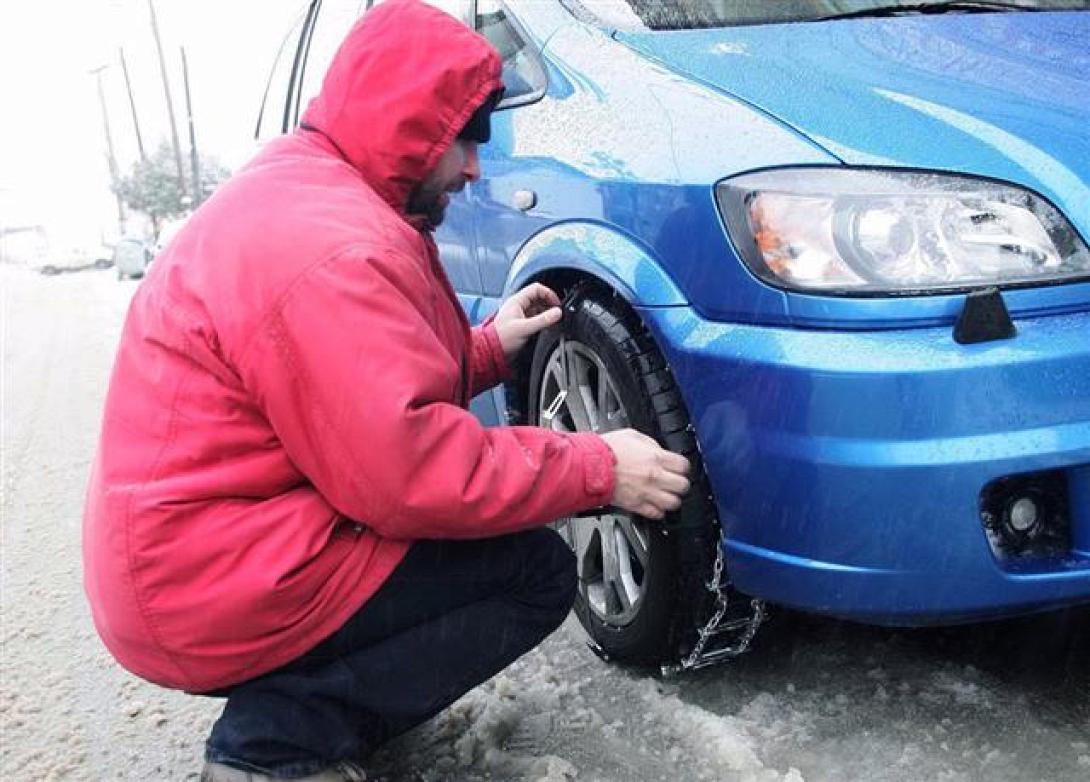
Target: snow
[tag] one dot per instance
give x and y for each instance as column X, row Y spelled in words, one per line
column 817, row 700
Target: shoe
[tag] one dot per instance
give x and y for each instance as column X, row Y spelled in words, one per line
column 343, row 772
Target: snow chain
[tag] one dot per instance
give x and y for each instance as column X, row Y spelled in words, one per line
column 739, row 632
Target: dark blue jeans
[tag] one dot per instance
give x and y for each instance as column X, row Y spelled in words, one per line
column 452, row 614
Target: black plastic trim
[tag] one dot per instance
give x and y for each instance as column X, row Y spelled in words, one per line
column 984, row 318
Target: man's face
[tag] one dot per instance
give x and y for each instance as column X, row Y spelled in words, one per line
column 458, row 165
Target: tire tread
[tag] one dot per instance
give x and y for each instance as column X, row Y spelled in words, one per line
column 695, row 535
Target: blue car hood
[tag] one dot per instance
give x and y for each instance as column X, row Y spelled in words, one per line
column 1001, row 95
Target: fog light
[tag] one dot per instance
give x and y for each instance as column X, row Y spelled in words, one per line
column 1022, row 520
column 1027, row 515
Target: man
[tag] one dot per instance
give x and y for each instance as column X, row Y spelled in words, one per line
column 291, row 506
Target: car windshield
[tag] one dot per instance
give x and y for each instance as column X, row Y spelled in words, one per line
column 643, row 15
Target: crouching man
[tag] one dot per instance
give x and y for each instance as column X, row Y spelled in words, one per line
column 291, row 506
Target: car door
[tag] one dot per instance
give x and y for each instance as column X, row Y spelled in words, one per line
column 506, row 199
column 501, row 205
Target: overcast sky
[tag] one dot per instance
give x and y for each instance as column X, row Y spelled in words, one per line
column 52, row 145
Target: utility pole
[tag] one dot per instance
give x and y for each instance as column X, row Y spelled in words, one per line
column 136, row 126
column 170, row 101
column 110, row 157
column 132, row 105
column 194, row 161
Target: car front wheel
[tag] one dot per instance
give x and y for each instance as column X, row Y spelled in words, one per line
column 642, row 588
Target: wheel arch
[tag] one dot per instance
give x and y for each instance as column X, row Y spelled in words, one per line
column 599, row 253
column 597, row 256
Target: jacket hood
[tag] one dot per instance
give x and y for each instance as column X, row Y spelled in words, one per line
column 402, row 85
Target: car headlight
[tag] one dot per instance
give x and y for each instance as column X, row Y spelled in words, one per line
column 854, row 231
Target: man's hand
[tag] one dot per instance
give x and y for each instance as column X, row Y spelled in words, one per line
column 650, row 481
column 532, row 309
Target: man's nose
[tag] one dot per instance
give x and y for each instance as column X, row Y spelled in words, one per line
column 471, row 169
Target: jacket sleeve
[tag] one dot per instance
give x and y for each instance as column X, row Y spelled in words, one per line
column 488, row 365
column 356, row 385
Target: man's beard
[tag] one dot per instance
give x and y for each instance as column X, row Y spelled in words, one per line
column 429, row 203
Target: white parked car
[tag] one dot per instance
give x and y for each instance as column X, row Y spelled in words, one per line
column 131, row 258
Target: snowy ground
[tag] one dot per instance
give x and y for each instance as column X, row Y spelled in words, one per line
column 816, row 700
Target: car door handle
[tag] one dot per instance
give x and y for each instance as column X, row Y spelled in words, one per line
column 524, row 200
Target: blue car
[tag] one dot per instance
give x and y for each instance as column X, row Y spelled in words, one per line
column 835, row 251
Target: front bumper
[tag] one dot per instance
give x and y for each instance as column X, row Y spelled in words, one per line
column 848, row 467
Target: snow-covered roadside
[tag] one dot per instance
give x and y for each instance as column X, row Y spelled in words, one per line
column 68, row 712
column 560, row 713
column 817, row 700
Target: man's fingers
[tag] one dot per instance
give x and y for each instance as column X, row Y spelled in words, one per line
column 535, row 299
column 546, row 294
column 539, row 295
column 674, row 462
column 649, row 511
column 673, row 483
column 530, row 326
column 663, row 500
column 549, row 317
column 651, row 481
column 657, row 504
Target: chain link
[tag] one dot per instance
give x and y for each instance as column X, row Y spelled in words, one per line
column 697, row 657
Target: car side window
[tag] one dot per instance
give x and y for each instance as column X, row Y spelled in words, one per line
column 523, row 74
column 270, row 118
column 335, row 19
column 462, row 10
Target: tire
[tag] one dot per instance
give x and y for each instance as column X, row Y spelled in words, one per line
column 649, row 614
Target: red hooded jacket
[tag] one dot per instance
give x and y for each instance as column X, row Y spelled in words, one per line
column 287, row 407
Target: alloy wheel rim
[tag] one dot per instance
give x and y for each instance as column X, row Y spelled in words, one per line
column 578, row 394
